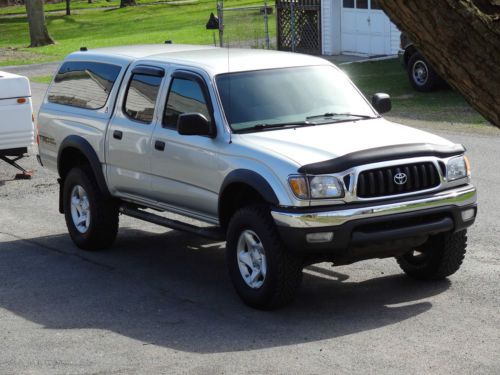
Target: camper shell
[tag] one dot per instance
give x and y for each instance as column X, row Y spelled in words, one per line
column 16, row 118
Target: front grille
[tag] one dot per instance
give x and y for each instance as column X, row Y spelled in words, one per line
column 382, row 181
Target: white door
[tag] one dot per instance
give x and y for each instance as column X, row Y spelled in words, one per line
column 365, row 28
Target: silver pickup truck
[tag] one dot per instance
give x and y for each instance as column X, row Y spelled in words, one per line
column 279, row 154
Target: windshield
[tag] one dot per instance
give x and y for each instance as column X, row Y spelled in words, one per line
column 298, row 96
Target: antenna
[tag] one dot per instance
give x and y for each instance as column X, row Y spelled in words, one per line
column 220, row 14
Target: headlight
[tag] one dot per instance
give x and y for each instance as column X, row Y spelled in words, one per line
column 318, row 187
column 457, row 168
column 325, row 187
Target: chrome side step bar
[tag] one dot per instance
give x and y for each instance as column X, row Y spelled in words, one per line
column 213, row 233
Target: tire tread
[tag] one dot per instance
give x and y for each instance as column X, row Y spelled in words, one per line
column 288, row 267
column 104, row 214
column 447, row 253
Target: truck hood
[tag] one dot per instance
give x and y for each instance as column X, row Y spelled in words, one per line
column 311, row 144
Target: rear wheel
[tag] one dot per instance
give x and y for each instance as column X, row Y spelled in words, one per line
column 440, row 257
column 422, row 76
column 91, row 217
column 263, row 273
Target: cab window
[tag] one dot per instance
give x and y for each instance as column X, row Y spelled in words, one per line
column 83, row 84
column 185, row 96
column 140, row 98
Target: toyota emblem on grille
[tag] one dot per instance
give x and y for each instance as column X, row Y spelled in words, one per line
column 400, row 178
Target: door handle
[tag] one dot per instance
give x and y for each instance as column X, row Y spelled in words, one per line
column 159, row 145
column 117, row 134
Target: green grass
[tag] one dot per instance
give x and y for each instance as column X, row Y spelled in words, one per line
column 389, row 76
column 41, row 79
column 101, row 28
column 75, row 5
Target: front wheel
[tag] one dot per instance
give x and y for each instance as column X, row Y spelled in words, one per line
column 91, row 217
column 264, row 274
column 438, row 258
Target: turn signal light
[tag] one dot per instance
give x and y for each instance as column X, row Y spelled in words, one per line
column 21, row 100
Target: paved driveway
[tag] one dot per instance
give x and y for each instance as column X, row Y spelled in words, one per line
column 160, row 301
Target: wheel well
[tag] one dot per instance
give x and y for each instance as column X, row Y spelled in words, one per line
column 234, row 197
column 409, row 51
column 69, row 158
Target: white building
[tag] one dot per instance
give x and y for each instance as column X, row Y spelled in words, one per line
column 357, row 27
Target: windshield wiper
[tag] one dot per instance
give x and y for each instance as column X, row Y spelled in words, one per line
column 265, row 126
column 332, row 114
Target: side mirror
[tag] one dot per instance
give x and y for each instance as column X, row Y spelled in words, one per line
column 194, row 124
column 381, row 102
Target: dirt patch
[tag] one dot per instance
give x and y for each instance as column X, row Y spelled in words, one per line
column 16, row 54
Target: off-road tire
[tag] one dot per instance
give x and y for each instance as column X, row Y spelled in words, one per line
column 442, row 256
column 284, row 270
column 433, row 81
column 103, row 226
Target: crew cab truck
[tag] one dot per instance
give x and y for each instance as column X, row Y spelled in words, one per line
column 277, row 153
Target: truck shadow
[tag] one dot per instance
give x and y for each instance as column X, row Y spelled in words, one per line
column 171, row 289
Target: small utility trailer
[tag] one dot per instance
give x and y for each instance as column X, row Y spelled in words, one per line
column 16, row 120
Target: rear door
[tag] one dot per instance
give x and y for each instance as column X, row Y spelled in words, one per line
column 128, row 137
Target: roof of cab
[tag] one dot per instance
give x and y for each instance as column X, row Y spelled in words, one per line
column 214, row 60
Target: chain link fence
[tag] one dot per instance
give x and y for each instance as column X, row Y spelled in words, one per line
column 248, row 26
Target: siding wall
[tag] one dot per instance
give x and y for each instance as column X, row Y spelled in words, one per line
column 330, row 24
column 331, row 29
column 395, row 33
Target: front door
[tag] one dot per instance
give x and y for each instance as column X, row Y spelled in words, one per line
column 183, row 167
column 366, row 29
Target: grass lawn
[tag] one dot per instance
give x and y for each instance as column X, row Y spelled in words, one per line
column 181, row 23
column 388, row 76
column 77, row 5
column 41, row 79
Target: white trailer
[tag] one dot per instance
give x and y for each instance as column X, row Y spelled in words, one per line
column 16, row 120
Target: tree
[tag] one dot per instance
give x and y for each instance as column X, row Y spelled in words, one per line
column 68, row 8
column 39, row 34
column 126, row 3
column 461, row 40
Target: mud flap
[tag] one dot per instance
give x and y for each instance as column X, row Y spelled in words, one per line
column 61, row 185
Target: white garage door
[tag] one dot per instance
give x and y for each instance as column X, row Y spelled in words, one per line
column 365, row 28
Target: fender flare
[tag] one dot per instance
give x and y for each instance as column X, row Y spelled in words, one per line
column 82, row 145
column 252, row 179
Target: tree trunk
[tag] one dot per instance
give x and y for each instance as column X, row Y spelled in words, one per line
column 68, row 8
column 39, row 34
column 460, row 41
column 126, row 3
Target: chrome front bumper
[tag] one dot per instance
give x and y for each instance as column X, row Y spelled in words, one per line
column 461, row 196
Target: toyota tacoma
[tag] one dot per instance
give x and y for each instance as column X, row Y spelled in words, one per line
column 278, row 154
